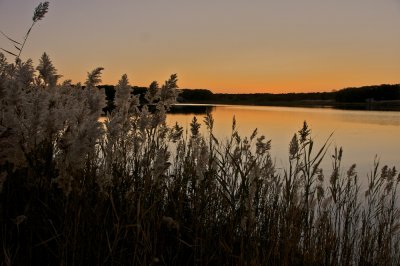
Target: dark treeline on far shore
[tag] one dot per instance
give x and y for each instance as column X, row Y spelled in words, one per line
column 380, row 97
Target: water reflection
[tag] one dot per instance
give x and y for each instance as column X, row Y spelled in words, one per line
column 344, row 114
column 367, row 107
column 371, row 117
column 191, row 109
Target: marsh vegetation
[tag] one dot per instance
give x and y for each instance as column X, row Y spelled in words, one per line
column 132, row 190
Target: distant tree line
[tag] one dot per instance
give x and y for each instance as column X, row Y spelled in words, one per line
column 383, row 92
column 266, row 98
column 188, row 95
column 365, row 94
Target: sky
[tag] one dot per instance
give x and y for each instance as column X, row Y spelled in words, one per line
column 229, row 46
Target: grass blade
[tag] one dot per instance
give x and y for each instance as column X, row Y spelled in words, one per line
column 14, row 41
column 8, row 52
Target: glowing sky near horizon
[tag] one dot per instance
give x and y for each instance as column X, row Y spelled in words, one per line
column 222, row 45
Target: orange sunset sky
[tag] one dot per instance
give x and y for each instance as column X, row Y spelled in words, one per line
column 223, row 45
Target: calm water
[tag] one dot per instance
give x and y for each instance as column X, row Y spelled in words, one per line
column 362, row 134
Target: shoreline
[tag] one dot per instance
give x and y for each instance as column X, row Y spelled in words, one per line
column 371, row 106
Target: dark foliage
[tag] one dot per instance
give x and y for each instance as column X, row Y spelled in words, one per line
column 195, row 95
column 369, row 94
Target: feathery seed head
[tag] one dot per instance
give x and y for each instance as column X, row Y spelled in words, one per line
column 194, row 127
column 293, row 147
column 351, row 172
column 40, row 11
column 153, row 93
column 94, row 77
column 209, row 121
column 176, row 132
column 262, row 146
column 304, row 132
column 47, row 71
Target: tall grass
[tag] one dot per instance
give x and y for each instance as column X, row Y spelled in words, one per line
column 132, row 190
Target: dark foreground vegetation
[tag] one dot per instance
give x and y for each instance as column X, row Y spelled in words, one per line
column 133, row 191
